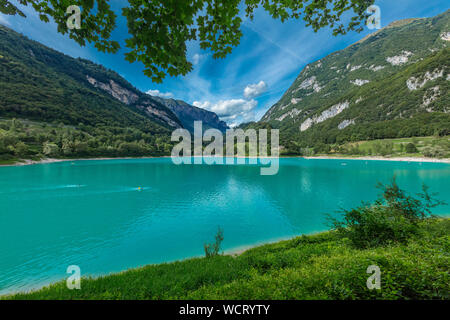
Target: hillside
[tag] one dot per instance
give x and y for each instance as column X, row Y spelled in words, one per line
column 42, row 84
column 63, row 112
column 393, row 83
column 76, row 90
column 70, row 107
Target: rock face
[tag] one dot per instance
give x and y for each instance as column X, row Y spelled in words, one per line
column 154, row 110
column 376, row 68
column 353, row 68
column 121, row 94
column 445, row 36
column 359, row 82
column 188, row 114
column 344, row 124
column 400, row 59
column 327, row 114
column 151, row 105
column 293, row 113
column 154, row 107
column 414, row 83
column 139, row 100
column 431, row 95
column 310, row 83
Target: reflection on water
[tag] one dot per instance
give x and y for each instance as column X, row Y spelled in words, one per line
column 107, row 216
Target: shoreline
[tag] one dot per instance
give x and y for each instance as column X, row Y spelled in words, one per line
column 28, row 162
column 323, row 157
column 380, row 158
column 233, row 252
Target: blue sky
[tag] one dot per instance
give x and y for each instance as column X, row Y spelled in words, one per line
column 249, row 81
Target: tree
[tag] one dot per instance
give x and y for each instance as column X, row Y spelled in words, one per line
column 50, row 149
column 213, row 249
column 411, row 148
column 20, row 149
column 160, row 29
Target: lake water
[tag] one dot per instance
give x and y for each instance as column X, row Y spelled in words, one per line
column 92, row 214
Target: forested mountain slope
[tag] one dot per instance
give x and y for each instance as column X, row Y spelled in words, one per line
column 394, row 83
column 70, row 107
column 42, row 84
column 73, row 91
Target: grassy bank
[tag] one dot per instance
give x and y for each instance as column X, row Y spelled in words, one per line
column 429, row 147
column 8, row 162
column 323, row 266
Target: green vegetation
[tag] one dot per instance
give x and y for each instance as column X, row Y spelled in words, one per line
column 49, row 92
column 322, row 266
column 414, row 265
column 411, row 148
column 160, row 30
column 22, row 139
column 382, row 106
column 393, row 218
column 49, row 109
column 213, row 249
column 429, row 147
column 388, row 109
column 41, row 84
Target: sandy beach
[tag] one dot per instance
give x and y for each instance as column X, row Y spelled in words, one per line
column 375, row 158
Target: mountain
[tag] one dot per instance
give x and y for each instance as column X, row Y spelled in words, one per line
column 188, row 114
column 42, row 84
column 393, row 83
column 73, row 91
column 52, row 105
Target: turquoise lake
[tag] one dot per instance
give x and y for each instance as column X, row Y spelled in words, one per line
column 92, row 214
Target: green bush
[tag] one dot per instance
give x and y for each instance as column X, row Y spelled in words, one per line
column 392, row 218
column 213, row 249
column 411, row 148
column 432, row 152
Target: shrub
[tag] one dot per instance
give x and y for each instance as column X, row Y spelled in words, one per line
column 411, row 148
column 50, row 149
column 430, row 152
column 392, row 218
column 21, row 149
column 213, row 249
column 307, row 152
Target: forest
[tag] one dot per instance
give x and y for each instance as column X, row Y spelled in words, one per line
column 23, row 139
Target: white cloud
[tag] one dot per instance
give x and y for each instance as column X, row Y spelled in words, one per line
column 248, row 117
column 4, row 20
column 236, row 110
column 196, row 58
column 255, row 90
column 158, row 93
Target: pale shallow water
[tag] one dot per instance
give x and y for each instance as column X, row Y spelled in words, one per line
column 91, row 213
